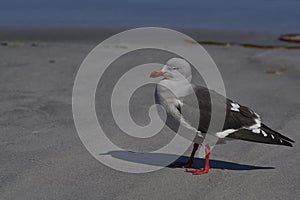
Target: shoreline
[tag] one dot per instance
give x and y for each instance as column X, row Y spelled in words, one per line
column 98, row 34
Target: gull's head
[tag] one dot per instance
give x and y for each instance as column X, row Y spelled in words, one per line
column 175, row 69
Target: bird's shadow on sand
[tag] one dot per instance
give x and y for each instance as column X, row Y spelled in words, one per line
column 164, row 160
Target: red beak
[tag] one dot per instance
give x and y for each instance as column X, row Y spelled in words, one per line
column 157, row 73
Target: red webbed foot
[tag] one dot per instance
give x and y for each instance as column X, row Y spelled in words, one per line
column 206, row 165
column 198, row 171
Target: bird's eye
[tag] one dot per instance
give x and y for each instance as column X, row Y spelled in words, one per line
column 174, row 68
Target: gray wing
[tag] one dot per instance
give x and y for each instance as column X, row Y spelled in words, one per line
column 236, row 116
column 240, row 121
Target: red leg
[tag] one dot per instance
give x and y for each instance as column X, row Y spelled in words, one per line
column 190, row 160
column 206, row 166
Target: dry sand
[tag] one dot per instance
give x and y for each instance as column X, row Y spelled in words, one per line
column 42, row 157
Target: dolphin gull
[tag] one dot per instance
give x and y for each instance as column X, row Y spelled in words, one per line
column 173, row 92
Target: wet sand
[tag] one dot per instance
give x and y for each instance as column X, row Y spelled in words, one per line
column 42, row 157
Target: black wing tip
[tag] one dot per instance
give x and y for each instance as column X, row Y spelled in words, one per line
column 288, row 139
column 290, row 145
column 285, row 138
column 286, row 143
column 273, row 138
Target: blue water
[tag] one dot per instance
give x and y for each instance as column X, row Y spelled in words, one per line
column 255, row 15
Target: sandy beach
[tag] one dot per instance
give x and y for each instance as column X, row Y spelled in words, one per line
column 42, row 157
